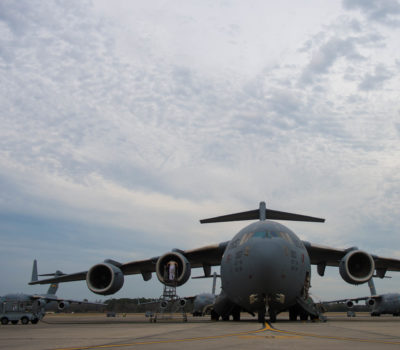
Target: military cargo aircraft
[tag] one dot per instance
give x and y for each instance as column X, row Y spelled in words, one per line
column 35, row 304
column 380, row 304
column 203, row 303
column 265, row 266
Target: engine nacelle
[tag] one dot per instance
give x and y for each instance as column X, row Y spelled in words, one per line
column 370, row 302
column 181, row 270
column 62, row 305
column 104, row 279
column 357, row 267
column 40, row 303
column 349, row 304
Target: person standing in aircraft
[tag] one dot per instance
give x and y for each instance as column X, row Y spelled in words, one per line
column 172, row 267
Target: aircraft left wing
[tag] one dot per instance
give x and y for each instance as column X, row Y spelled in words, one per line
column 49, row 298
column 206, row 256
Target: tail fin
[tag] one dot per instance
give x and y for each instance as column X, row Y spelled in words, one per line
column 54, row 286
column 34, row 271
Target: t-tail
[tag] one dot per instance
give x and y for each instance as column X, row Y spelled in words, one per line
column 54, row 286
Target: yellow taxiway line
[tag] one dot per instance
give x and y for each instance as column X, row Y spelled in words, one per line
column 243, row 335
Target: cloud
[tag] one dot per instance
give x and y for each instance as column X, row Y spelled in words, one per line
column 123, row 125
column 375, row 80
column 385, row 11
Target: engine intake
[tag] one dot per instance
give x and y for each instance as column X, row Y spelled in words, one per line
column 349, row 304
column 105, row 279
column 62, row 305
column 370, row 302
column 176, row 275
column 357, row 267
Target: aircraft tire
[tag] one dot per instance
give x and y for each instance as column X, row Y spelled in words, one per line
column 261, row 316
column 303, row 316
column 214, row 316
column 292, row 315
column 272, row 316
column 14, row 321
column 24, row 320
column 4, row 320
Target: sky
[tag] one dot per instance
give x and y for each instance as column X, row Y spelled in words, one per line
column 125, row 122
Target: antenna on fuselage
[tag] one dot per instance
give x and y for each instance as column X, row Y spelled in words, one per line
column 262, row 214
column 263, row 210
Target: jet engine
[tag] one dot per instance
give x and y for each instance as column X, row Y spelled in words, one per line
column 181, row 270
column 62, row 305
column 105, row 279
column 40, row 303
column 370, row 302
column 349, row 304
column 357, row 267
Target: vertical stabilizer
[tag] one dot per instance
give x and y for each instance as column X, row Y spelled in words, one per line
column 54, row 286
column 34, row 271
column 371, row 286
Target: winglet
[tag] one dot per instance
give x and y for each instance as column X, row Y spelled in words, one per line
column 34, row 277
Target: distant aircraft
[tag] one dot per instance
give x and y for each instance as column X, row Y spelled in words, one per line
column 265, row 266
column 203, row 303
column 39, row 302
column 388, row 303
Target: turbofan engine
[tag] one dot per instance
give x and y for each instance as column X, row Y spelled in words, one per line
column 370, row 302
column 62, row 305
column 176, row 275
column 40, row 303
column 105, row 279
column 349, row 304
column 357, row 267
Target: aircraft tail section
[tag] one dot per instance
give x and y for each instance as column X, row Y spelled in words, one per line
column 34, row 271
column 54, row 286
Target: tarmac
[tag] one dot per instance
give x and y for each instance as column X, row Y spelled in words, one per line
column 134, row 331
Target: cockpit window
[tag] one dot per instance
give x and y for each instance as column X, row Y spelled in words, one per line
column 261, row 234
column 246, row 237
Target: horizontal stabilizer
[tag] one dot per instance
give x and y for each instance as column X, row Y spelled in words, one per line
column 257, row 215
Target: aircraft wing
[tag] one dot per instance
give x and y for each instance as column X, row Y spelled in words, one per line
column 376, row 297
column 49, row 298
column 210, row 255
column 320, row 254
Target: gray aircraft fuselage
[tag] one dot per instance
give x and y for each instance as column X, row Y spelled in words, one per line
column 265, row 259
column 387, row 304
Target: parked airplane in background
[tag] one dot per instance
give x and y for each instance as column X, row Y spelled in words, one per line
column 264, row 266
column 34, row 304
column 388, row 303
column 203, row 303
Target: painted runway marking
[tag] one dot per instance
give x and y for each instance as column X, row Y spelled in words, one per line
column 242, row 335
column 311, row 335
column 166, row 341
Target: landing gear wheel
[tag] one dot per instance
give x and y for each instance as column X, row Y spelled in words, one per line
column 214, row 316
column 236, row 315
column 292, row 315
column 303, row 316
column 4, row 320
column 261, row 316
column 272, row 316
column 24, row 320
